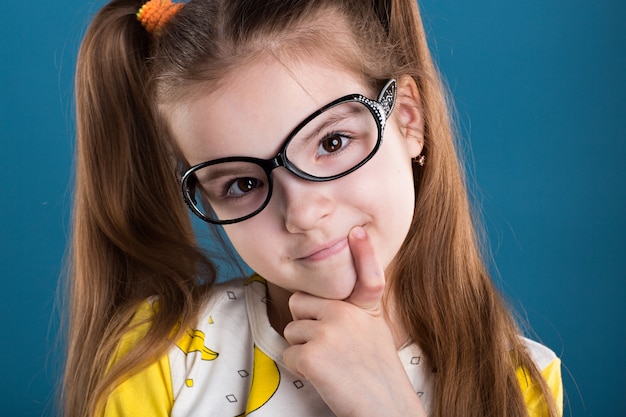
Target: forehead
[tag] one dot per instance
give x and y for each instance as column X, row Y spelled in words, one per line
column 256, row 107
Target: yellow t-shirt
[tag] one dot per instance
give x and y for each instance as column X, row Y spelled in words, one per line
column 231, row 365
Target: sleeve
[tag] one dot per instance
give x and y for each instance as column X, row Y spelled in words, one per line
column 534, row 399
column 146, row 393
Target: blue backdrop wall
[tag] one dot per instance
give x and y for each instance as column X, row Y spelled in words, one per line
column 539, row 88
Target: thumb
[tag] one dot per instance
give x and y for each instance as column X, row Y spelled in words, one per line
column 370, row 281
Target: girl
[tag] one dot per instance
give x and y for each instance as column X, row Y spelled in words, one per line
column 317, row 134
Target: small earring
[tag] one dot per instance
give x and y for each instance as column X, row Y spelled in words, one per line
column 420, row 160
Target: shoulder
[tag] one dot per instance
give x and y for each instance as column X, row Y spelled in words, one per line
column 224, row 314
column 549, row 365
column 540, row 354
column 226, row 299
column 148, row 391
column 152, row 390
column 215, row 355
column 225, row 308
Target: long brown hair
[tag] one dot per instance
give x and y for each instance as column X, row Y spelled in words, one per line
column 132, row 238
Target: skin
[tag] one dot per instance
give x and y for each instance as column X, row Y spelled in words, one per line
column 322, row 247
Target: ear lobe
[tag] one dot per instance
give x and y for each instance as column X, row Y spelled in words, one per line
column 410, row 114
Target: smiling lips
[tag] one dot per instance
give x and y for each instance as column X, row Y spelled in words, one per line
column 326, row 252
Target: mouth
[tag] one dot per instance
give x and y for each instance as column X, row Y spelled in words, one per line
column 326, row 251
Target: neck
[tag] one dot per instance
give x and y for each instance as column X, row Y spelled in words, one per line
column 278, row 307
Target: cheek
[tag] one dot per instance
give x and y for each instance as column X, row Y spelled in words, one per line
column 392, row 174
column 255, row 241
column 393, row 199
column 244, row 240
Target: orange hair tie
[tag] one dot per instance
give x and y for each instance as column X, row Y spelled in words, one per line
column 155, row 13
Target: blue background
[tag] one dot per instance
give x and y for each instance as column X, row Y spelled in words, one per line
column 539, row 88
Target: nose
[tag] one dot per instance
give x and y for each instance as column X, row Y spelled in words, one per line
column 303, row 204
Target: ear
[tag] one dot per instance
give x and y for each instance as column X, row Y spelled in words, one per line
column 410, row 116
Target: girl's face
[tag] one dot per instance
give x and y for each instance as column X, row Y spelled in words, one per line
column 299, row 241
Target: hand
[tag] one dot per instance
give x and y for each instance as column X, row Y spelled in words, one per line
column 346, row 349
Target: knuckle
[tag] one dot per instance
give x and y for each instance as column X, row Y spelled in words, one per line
column 294, row 302
column 309, row 361
column 290, row 358
column 288, row 332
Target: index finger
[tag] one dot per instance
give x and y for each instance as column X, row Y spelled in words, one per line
column 370, row 281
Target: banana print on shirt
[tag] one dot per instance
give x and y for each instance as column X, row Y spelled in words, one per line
column 193, row 341
column 265, row 381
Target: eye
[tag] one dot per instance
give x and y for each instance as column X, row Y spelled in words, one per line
column 332, row 143
column 242, row 186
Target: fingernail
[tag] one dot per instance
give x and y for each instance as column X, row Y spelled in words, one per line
column 358, row 232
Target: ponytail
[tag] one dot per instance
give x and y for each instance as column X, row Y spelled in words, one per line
column 448, row 302
column 132, row 238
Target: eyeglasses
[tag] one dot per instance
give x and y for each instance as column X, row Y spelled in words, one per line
column 334, row 141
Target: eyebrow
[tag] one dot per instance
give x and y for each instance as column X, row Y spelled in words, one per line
column 332, row 119
column 213, row 173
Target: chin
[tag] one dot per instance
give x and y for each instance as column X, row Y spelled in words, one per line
column 338, row 286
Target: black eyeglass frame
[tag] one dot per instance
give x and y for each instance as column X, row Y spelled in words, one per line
column 380, row 108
